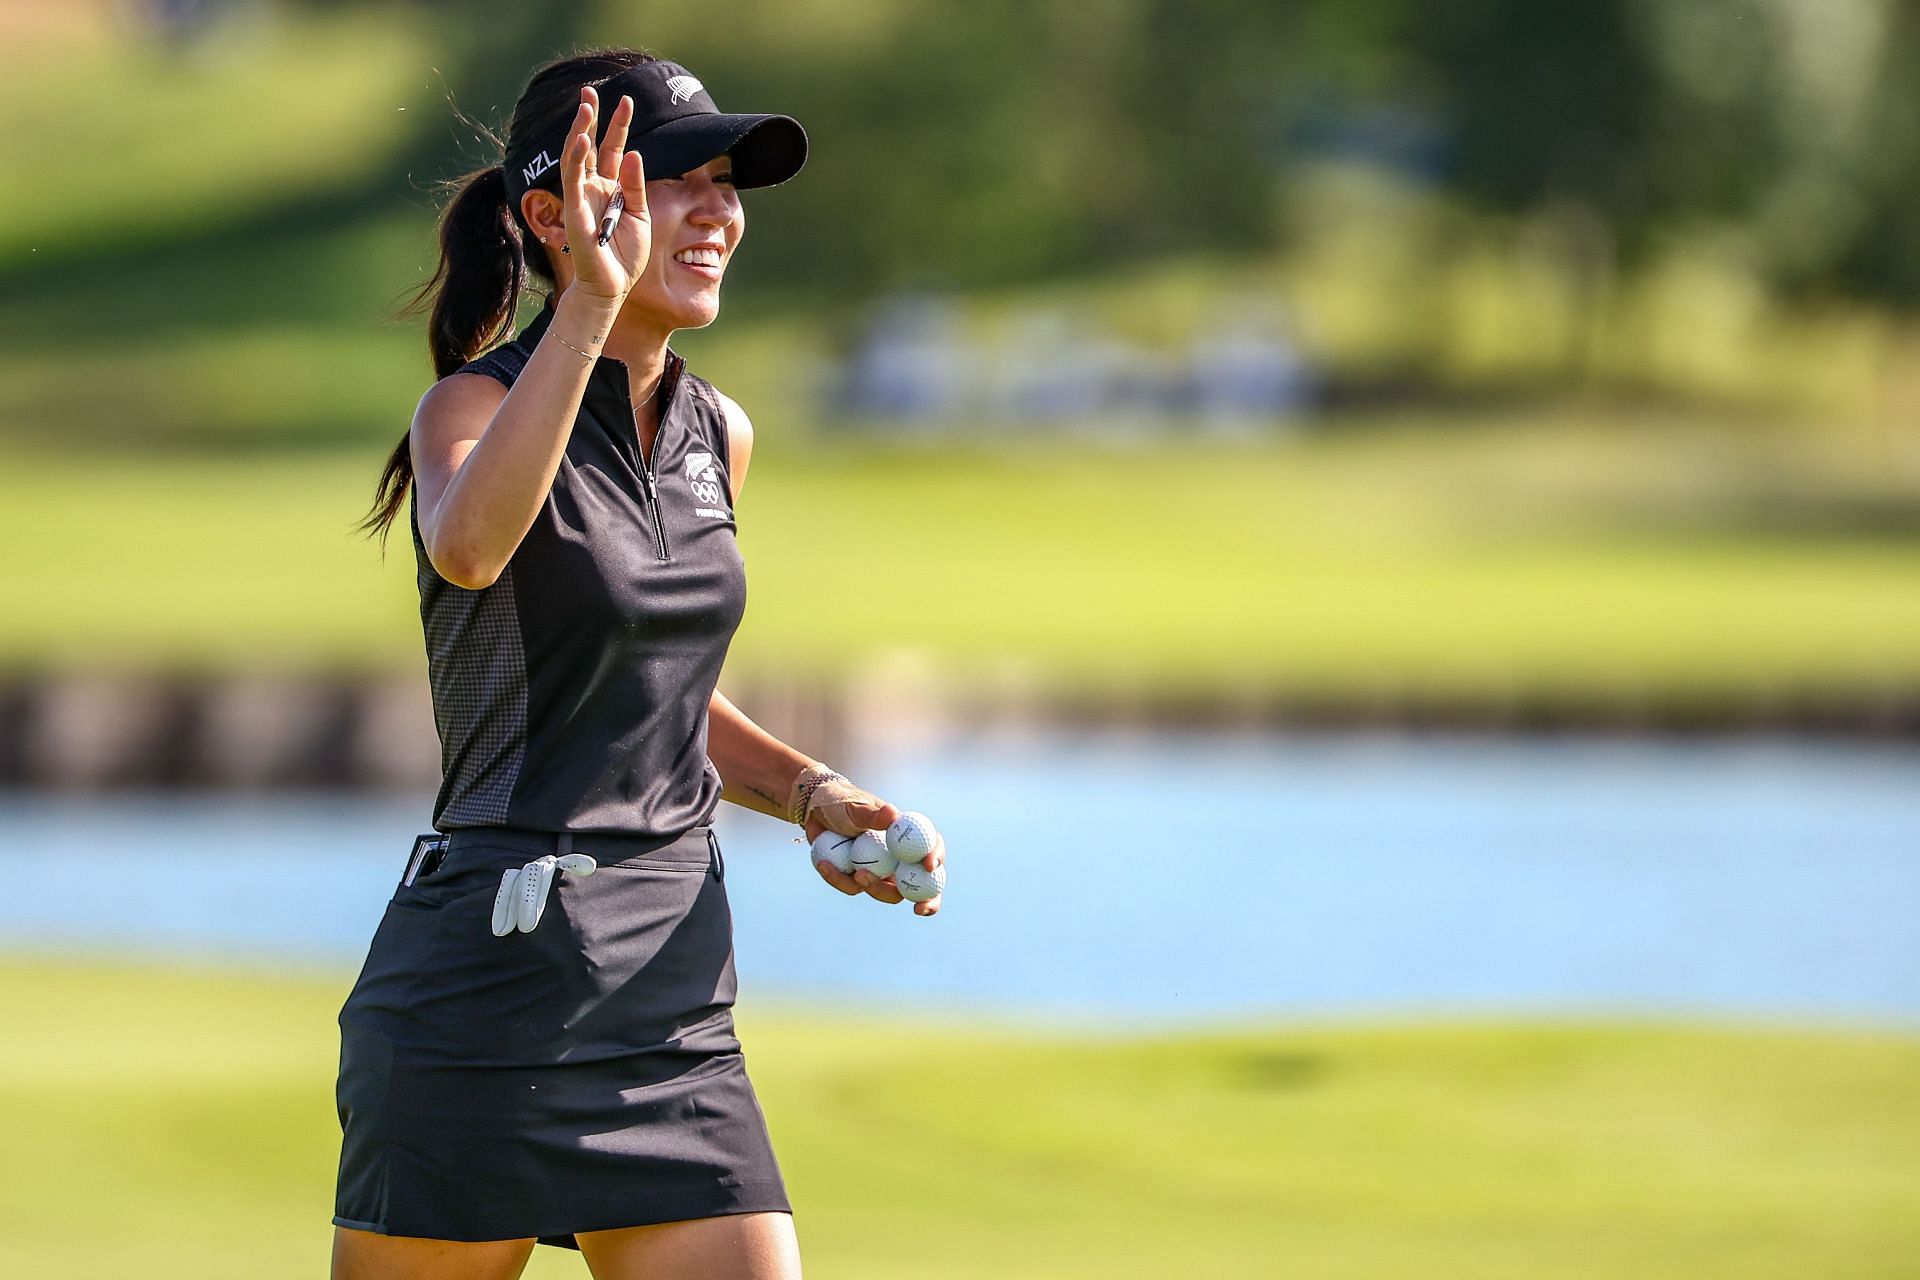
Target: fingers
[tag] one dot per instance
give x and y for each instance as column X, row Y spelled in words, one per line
column 633, row 184
column 590, row 104
column 587, row 168
column 573, row 184
column 851, row 817
column 879, row 890
column 876, row 888
column 844, row 883
column 578, row 162
column 535, row 879
column 506, row 902
column 934, row 860
column 613, row 146
column 860, row 882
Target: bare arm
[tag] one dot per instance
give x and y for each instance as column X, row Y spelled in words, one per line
column 484, row 457
column 757, row 772
column 756, row 768
column 739, row 443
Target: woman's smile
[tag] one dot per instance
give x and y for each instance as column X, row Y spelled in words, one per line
column 706, row 259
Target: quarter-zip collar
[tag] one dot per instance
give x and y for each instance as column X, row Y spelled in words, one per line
column 610, row 395
column 608, row 404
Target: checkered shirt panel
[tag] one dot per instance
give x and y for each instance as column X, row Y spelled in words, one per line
column 477, row 669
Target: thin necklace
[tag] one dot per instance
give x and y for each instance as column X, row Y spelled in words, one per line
column 639, row 432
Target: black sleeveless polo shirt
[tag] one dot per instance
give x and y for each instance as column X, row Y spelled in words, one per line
column 571, row 694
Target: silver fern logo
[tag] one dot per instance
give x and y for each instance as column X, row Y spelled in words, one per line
column 683, row 87
column 704, row 479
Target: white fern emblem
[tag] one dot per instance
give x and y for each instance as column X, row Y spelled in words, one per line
column 704, row 479
column 683, row 87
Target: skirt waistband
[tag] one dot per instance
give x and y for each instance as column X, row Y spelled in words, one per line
column 604, row 846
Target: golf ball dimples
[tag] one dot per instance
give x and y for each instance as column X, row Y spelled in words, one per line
column 835, row 850
column 870, row 854
column 911, row 837
column 917, row 884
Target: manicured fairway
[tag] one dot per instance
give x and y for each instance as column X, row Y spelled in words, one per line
column 178, row 1124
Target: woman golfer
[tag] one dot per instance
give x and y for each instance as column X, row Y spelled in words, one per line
column 540, row 1047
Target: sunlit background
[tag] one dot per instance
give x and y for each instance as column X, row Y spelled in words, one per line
column 1386, row 534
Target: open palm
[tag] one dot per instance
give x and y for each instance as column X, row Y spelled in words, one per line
column 589, row 177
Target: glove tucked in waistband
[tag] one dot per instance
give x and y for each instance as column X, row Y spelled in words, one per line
column 523, row 890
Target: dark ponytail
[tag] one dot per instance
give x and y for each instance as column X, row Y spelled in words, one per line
column 475, row 290
column 482, row 270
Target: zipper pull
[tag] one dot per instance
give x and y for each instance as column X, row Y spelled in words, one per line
column 654, row 513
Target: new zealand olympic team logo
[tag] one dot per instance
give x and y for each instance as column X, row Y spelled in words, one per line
column 704, row 478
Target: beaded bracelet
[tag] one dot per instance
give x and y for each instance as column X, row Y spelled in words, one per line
column 810, row 780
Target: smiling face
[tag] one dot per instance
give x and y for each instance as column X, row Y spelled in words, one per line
column 697, row 223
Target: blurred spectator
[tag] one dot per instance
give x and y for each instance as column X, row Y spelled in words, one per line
column 178, row 22
column 1243, row 372
column 919, row 364
column 911, row 365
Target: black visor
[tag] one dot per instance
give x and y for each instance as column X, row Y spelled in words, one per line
column 675, row 128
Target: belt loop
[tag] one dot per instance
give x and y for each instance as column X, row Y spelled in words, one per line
column 563, row 844
column 719, row 863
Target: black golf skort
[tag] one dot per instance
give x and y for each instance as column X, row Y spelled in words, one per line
column 580, row 1077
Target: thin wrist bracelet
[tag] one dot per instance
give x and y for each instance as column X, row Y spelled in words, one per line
column 569, row 346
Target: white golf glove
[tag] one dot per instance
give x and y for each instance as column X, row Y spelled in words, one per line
column 523, row 890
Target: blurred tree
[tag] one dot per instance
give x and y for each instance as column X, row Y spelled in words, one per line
column 483, row 65
column 999, row 141
column 1540, row 101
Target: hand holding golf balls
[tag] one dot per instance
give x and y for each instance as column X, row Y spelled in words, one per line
column 902, row 855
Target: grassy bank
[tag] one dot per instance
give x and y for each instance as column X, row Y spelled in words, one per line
column 180, row 1124
column 1488, row 561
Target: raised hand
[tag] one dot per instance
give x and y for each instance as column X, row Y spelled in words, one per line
column 588, row 178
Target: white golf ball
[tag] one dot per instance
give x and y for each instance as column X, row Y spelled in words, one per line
column 869, row 853
column 835, row 850
column 911, row 837
column 917, row 884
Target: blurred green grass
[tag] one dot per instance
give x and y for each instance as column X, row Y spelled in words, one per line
column 1420, row 557
column 153, row 141
column 188, row 428
column 174, row 1122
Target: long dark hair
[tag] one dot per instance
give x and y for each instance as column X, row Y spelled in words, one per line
column 474, row 292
